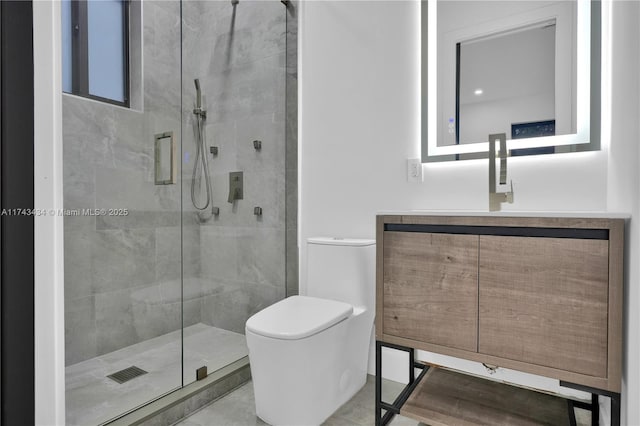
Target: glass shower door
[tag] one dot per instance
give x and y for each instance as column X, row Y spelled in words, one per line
column 177, row 194
column 233, row 245
column 123, row 265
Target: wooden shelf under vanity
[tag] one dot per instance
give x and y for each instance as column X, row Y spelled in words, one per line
column 447, row 397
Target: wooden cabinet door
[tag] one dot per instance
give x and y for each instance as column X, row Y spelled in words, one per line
column 544, row 301
column 431, row 288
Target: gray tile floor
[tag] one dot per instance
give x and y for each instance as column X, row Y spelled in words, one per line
column 92, row 398
column 238, row 409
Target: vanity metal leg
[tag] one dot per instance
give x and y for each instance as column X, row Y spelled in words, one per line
column 594, row 407
column 595, row 410
column 572, row 413
column 412, row 370
column 615, row 409
column 393, row 409
column 378, row 383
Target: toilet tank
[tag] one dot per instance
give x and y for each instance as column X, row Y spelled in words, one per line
column 342, row 269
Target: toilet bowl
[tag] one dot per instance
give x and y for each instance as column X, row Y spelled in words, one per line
column 309, row 353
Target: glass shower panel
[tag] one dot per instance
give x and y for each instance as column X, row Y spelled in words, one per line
column 123, row 266
column 234, row 230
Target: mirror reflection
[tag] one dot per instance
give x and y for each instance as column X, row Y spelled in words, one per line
column 506, row 82
column 517, row 67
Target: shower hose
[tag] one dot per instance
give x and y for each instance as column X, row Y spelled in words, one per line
column 200, row 166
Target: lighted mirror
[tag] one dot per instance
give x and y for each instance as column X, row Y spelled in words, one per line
column 529, row 69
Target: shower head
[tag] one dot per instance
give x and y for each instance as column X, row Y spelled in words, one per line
column 198, row 93
column 234, row 2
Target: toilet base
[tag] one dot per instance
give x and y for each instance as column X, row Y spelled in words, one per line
column 302, row 382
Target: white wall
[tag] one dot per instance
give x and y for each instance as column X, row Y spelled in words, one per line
column 48, row 251
column 359, row 122
column 623, row 190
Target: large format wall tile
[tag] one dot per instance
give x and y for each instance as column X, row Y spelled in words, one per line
column 219, row 248
column 261, row 256
column 231, row 309
column 171, row 259
column 128, row 188
column 122, row 259
column 78, row 247
column 157, row 309
column 80, row 329
column 114, row 321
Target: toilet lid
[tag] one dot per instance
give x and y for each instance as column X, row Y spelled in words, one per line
column 298, row 317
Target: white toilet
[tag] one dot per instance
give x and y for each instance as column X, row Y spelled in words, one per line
column 309, row 353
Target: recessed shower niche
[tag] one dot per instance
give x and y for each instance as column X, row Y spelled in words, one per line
column 166, row 282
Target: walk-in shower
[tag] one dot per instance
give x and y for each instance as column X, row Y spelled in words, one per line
column 164, row 287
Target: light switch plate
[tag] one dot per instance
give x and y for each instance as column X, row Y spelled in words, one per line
column 414, row 170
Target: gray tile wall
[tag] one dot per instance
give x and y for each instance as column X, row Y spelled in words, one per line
column 122, row 274
column 239, row 55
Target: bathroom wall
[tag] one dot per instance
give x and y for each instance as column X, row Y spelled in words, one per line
column 623, row 177
column 239, row 54
column 122, row 273
column 359, row 97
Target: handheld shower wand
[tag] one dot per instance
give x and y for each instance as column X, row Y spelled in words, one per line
column 198, row 109
column 201, row 165
column 198, row 93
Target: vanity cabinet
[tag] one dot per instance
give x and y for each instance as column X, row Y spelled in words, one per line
column 544, row 301
column 431, row 288
column 538, row 295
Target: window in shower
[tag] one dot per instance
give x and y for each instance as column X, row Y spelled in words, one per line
column 95, row 63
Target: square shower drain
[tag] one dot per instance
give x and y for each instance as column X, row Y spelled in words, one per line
column 127, row 374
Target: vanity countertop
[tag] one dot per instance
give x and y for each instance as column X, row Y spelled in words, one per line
column 467, row 213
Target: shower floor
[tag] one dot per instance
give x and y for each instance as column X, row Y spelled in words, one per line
column 92, row 398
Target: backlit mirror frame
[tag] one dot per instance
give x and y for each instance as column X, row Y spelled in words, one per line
column 587, row 138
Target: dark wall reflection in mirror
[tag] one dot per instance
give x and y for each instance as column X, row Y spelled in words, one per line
column 533, row 130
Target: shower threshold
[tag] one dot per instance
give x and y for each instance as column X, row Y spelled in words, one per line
column 92, row 398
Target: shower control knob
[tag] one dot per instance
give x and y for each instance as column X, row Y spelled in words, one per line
column 213, row 150
column 257, row 211
column 257, row 145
